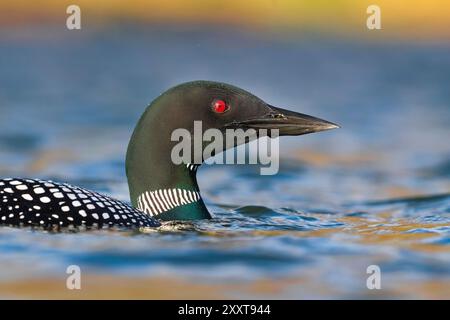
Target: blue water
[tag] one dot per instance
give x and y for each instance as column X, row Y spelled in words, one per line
column 376, row 191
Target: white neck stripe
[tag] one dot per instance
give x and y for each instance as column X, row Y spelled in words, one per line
column 192, row 167
column 161, row 197
column 162, row 200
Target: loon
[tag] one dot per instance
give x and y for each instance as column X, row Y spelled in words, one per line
column 159, row 189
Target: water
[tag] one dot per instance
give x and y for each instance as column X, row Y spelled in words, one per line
column 376, row 192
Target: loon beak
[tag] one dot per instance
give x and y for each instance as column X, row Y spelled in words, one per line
column 289, row 123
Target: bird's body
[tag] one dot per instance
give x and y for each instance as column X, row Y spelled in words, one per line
column 52, row 205
column 160, row 188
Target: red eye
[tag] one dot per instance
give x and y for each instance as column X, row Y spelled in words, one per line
column 220, row 106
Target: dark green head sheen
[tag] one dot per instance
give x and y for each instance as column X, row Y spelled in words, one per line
column 169, row 191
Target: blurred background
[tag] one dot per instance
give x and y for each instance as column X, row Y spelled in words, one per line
column 375, row 192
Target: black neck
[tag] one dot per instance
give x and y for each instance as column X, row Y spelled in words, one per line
column 157, row 185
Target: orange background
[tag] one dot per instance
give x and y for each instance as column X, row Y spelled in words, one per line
column 411, row 20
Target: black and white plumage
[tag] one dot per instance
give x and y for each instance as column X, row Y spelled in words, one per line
column 156, row 202
column 51, row 205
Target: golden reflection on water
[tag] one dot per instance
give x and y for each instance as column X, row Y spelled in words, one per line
column 123, row 287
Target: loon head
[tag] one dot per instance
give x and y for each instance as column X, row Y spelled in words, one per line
column 167, row 189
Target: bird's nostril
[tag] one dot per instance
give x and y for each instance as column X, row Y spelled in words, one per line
column 277, row 116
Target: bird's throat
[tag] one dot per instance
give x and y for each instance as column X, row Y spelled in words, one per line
column 159, row 187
